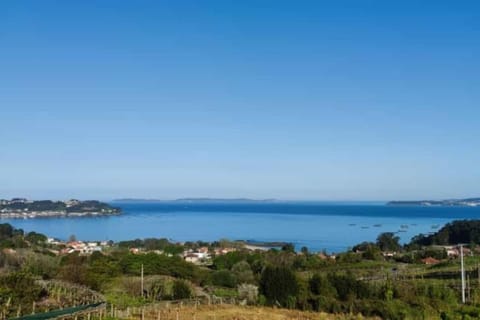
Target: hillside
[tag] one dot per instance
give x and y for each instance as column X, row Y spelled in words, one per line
column 20, row 208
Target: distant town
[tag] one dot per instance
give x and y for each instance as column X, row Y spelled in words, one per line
column 24, row 208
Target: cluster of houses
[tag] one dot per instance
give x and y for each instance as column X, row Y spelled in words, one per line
column 203, row 255
column 199, row 256
column 84, row 248
column 4, row 202
column 453, row 252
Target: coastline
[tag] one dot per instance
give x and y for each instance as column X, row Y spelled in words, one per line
column 54, row 214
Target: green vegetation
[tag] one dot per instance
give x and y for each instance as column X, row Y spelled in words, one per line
column 380, row 278
column 460, row 231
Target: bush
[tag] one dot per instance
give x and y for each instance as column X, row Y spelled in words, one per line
column 243, row 273
column 181, row 290
column 248, row 292
column 224, row 278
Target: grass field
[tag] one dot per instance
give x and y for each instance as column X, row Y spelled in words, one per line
column 226, row 312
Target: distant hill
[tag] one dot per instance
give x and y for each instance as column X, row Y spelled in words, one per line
column 209, row 200
column 470, row 202
column 21, row 207
column 458, row 231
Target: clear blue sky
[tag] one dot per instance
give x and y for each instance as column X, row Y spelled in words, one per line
column 327, row 100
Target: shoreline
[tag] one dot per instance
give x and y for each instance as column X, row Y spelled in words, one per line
column 54, row 214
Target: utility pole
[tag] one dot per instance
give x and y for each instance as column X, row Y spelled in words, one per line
column 463, row 273
column 141, row 275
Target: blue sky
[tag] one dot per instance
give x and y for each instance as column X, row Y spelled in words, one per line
column 325, row 100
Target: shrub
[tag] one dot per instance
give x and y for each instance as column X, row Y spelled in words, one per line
column 181, row 290
column 224, row 278
column 248, row 292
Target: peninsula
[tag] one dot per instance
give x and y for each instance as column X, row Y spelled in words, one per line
column 24, row 208
column 470, row 202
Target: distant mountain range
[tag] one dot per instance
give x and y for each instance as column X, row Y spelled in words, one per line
column 470, row 202
column 216, row 200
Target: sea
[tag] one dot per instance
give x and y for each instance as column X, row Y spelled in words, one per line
column 329, row 226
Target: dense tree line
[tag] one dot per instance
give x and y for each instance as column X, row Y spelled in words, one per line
column 459, row 231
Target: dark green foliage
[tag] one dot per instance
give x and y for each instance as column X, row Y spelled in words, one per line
column 227, row 261
column 349, row 257
column 349, row 288
column 35, row 238
column 224, row 278
column 304, row 250
column 11, row 237
column 278, row 285
column 101, row 269
column 288, row 247
column 151, row 244
column 158, row 264
column 320, row 285
column 388, row 241
column 368, row 250
column 6, row 231
column 459, row 231
column 181, row 290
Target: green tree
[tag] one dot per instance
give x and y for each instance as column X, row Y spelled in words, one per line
column 224, row 278
column 243, row 272
column 35, row 238
column 288, row 247
column 388, row 241
column 277, row 284
column 319, row 285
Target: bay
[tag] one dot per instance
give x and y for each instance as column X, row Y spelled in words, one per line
column 317, row 225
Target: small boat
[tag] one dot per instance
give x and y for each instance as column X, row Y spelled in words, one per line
column 402, row 230
column 352, row 224
column 435, row 226
column 365, row 227
column 377, row 225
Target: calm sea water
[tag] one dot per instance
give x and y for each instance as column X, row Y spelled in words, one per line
column 330, row 226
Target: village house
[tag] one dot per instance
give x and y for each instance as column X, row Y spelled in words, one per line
column 193, row 258
column 199, row 256
column 430, row 261
column 135, row 250
column 389, row 254
column 222, row 251
column 454, row 251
